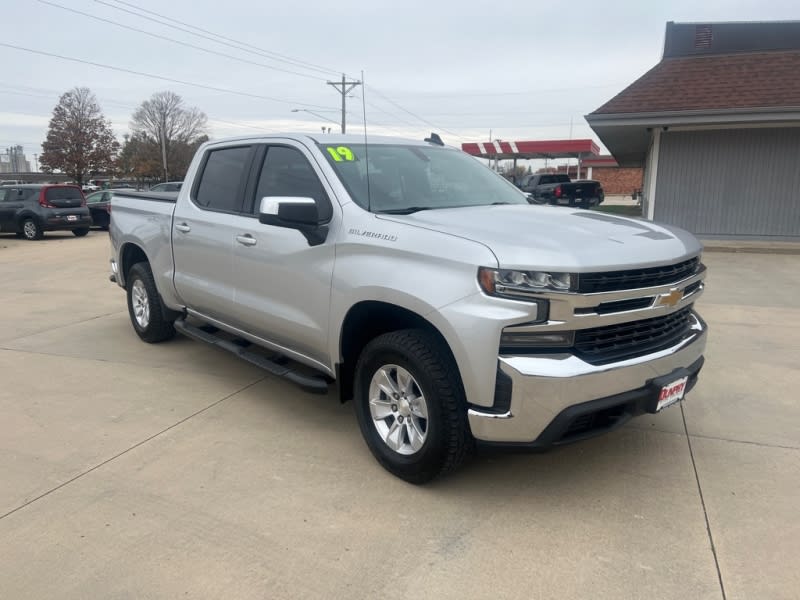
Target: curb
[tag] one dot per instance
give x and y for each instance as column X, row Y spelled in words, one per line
column 733, row 249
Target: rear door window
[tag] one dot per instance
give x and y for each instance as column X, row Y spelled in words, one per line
column 220, row 185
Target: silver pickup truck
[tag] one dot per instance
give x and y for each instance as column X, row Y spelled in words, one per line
column 444, row 304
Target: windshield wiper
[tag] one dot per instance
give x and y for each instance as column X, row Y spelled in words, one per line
column 404, row 211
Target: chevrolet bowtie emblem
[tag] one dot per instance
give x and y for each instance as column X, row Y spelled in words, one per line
column 670, row 299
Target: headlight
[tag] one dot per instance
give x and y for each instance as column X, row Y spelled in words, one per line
column 523, row 284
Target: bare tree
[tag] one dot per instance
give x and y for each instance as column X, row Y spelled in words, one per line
column 79, row 139
column 165, row 119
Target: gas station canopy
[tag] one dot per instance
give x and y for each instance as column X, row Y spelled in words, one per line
column 503, row 150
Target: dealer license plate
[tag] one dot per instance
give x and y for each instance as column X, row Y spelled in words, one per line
column 671, row 393
column 72, row 217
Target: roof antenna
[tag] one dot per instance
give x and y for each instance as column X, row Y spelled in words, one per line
column 434, row 139
column 366, row 142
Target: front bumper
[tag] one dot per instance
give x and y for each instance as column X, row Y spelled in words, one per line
column 560, row 398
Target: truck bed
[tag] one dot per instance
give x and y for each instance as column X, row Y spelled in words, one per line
column 170, row 197
column 144, row 219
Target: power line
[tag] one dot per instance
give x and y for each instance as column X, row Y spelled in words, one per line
column 514, row 93
column 159, row 77
column 387, row 113
column 277, row 56
column 416, row 116
column 246, row 125
column 225, row 41
column 107, row 102
column 174, row 41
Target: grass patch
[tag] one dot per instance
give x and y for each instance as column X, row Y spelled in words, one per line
column 619, row 209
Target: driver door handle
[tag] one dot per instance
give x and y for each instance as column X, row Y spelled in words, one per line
column 183, row 228
column 246, row 239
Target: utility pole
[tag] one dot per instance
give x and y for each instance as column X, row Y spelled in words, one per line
column 35, row 163
column 344, row 87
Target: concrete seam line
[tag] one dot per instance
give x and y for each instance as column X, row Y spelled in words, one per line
column 27, row 335
column 100, row 360
column 136, row 445
column 717, row 439
column 703, row 504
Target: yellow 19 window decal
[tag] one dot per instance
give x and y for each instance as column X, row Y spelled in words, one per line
column 341, row 153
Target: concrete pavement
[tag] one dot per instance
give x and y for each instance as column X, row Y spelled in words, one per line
column 137, row 471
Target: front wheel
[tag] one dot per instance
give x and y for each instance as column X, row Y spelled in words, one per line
column 410, row 405
column 144, row 306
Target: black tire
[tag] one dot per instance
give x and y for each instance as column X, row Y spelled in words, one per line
column 425, row 356
column 31, row 230
column 157, row 328
column 80, row 232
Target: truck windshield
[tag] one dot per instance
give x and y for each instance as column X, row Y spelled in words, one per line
column 408, row 178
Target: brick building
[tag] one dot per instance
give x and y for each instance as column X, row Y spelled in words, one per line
column 616, row 180
column 716, row 126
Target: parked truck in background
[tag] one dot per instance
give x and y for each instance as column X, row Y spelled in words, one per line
column 444, row 304
column 559, row 189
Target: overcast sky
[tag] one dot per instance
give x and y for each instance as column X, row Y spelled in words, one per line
column 522, row 69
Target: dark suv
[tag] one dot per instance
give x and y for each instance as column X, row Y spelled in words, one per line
column 30, row 210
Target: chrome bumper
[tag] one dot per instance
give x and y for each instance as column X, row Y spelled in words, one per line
column 544, row 386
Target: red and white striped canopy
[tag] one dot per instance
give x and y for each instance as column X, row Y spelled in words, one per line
column 532, row 149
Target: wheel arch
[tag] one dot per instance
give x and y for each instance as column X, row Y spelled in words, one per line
column 130, row 254
column 365, row 321
column 27, row 214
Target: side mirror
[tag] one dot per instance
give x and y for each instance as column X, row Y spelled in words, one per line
column 294, row 213
column 288, row 211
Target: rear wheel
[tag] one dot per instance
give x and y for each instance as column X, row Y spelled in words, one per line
column 410, row 405
column 80, row 232
column 144, row 306
column 31, row 229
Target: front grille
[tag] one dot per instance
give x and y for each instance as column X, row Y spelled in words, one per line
column 618, row 306
column 626, row 340
column 612, row 281
column 691, row 289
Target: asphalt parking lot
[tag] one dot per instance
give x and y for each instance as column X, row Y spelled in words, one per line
column 136, row 471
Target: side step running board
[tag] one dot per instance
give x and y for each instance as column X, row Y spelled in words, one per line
column 310, row 383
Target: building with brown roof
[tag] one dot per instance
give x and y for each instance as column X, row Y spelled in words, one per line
column 716, row 126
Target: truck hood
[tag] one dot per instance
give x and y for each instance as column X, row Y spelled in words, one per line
column 559, row 239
